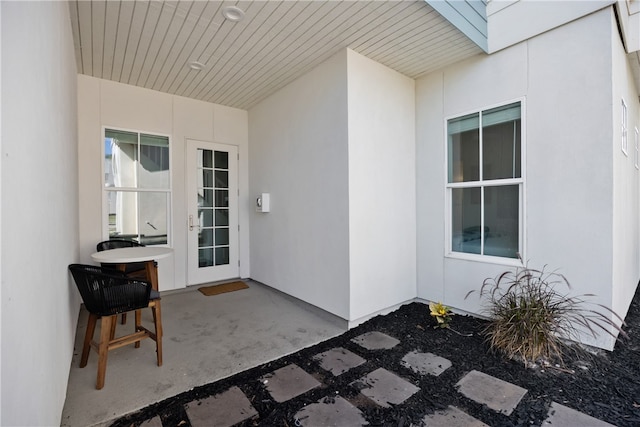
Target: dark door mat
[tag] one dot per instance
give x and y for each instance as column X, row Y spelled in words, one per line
column 225, row 287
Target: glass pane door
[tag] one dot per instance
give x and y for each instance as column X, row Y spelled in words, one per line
column 212, row 197
column 213, row 207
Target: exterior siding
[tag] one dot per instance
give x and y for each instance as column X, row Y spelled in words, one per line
column 576, row 214
column 470, row 17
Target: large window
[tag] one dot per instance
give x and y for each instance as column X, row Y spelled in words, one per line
column 137, row 186
column 484, row 185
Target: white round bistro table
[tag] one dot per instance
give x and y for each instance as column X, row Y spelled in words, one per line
column 146, row 254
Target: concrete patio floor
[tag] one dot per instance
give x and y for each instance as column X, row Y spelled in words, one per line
column 206, row 338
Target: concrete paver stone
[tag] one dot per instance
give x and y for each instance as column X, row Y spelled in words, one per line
column 425, row 363
column 497, row 394
column 375, row 340
column 330, row 411
column 451, row 417
column 288, row 382
column 384, row 387
column 560, row 415
column 222, row 410
column 338, row 360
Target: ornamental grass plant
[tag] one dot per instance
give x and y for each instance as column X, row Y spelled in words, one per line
column 532, row 319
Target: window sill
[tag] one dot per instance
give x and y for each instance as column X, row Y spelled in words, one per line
column 484, row 259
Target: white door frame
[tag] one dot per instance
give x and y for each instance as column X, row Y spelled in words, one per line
column 195, row 273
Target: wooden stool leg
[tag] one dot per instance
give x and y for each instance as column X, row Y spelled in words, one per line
column 103, row 348
column 124, row 319
column 157, row 321
column 112, row 331
column 152, row 273
column 138, row 322
column 88, row 336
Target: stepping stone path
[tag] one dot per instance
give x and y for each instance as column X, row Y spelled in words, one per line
column 452, row 417
column 288, row 382
column 224, row 409
column 425, row 363
column 384, row 388
column 376, row 341
column 338, row 360
column 330, row 411
column 498, row 395
column 379, row 387
column 560, row 415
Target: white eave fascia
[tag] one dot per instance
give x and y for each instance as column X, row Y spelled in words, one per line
column 470, row 17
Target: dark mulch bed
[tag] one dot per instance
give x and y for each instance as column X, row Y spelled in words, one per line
column 608, row 389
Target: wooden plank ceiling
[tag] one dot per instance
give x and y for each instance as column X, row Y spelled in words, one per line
column 151, row 43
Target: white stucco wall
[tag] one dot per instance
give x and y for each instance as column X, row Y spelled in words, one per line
column 564, row 77
column 336, row 151
column 39, row 211
column 110, row 104
column 578, row 213
column 382, row 209
column 626, row 181
column 470, row 85
column 298, row 140
column 511, row 22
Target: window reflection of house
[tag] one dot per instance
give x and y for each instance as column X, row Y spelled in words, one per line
column 137, row 185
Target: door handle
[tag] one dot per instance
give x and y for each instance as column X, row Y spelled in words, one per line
column 190, row 222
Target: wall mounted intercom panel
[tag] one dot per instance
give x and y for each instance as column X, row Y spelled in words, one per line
column 263, row 203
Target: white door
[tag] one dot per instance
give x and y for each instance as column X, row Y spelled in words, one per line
column 212, row 197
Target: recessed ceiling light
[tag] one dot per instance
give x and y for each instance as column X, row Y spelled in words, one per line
column 195, row 65
column 233, row 13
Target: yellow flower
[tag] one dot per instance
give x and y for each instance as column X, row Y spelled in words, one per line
column 440, row 311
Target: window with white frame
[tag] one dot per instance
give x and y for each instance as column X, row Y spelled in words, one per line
column 485, row 182
column 624, row 118
column 137, row 186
